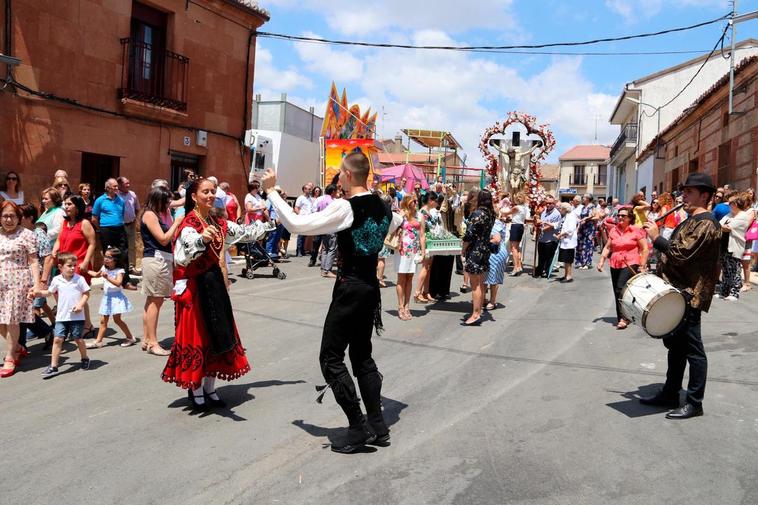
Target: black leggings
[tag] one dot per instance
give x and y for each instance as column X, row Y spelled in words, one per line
column 619, row 278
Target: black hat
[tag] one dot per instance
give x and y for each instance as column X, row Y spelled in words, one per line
column 700, row 181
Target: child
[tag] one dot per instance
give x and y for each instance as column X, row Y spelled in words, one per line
column 114, row 302
column 71, row 292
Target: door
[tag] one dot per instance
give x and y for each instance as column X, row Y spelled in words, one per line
column 98, row 168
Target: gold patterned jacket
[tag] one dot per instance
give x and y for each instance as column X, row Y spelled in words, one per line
column 690, row 259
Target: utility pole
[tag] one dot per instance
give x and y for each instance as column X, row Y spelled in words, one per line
column 733, row 23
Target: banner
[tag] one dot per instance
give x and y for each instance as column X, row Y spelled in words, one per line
column 335, row 150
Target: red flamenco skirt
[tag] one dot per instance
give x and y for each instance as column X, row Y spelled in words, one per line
column 191, row 358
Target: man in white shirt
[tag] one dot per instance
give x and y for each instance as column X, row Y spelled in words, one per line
column 361, row 221
column 568, row 240
column 303, row 206
column 131, row 211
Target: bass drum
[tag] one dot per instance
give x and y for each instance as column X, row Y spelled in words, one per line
column 653, row 304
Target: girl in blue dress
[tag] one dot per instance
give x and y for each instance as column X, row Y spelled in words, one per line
column 498, row 261
column 114, row 302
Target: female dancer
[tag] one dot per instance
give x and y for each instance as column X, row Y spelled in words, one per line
column 207, row 344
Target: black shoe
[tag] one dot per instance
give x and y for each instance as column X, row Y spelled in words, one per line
column 311, row 263
column 357, row 438
column 661, row 400
column 197, row 407
column 685, row 412
column 218, row 403
column 381, row 441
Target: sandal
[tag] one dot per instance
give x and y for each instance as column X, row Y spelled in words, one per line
column 464, row 288
column 128, row 342
column 157, row 350
column 490, row 306
column 7, row 372
column 418, row 299
column 94, row 345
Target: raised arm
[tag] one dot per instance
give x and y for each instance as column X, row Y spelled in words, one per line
column 337, row 216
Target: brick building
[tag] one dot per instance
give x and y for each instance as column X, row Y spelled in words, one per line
column 120, row 87
column 705, row 138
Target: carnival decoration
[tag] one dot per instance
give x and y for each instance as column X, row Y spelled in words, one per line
column 342, row 121
column 502, row 179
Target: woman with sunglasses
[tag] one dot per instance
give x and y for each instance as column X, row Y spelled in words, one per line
column 626, row 252
column 61, row 185
column 12, row 189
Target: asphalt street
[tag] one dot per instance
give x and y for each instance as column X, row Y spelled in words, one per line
column 536, row 406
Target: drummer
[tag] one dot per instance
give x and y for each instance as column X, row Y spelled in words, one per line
column 689, row 261
column 626, row 251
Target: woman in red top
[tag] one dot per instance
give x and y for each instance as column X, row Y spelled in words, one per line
column 627, row 250
column 77, row 237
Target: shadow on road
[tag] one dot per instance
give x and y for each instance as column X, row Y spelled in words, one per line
column 631, row 407
column 392, row 409
column 606, row 319
column 234, row 395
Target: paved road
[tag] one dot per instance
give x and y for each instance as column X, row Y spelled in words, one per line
column 534, row 407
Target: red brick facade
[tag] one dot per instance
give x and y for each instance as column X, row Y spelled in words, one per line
column 707, row 139
column 74, row 50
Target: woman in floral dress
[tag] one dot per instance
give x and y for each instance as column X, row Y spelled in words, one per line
column 19, row 272
column 412, row 248
column 476, row 250
column 431, row 218
column 586, row 238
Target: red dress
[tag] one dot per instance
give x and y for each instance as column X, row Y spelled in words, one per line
column 72, row 240
column 191, row 358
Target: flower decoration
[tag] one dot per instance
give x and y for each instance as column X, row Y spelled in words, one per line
column 535, row 191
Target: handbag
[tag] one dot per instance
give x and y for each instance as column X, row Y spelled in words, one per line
column 752, row 232
column 392, row 240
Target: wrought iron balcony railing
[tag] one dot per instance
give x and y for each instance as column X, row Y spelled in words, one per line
column 628, row 135
column 153, row 75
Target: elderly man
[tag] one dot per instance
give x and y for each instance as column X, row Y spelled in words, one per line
column 131, row 210
column 304, row 205
column 108, row 218
column 550, row 225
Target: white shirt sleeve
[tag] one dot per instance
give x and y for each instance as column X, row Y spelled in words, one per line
column 248, row 233
column 189, row 245
column 397, row 220
column 337, row 216
column 55, row 229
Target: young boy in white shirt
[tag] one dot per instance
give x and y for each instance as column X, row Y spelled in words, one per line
column 71, row 292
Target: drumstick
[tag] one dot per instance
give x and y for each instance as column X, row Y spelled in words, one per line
column 667, row 214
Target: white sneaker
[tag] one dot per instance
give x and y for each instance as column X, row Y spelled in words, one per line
column 718, row 296
column 731, row 298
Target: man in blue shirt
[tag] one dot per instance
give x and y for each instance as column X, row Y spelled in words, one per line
column 550, row 225
column 108, row 218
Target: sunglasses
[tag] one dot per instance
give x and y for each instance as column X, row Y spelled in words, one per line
column 623, row 215
column 11, row 178
column 62, row 186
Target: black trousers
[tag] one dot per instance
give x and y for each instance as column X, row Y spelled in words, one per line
column 115, row 236
column 440, row 275
column 348, row 327
column 685, row 345
column 545, row 253
column 619, row 278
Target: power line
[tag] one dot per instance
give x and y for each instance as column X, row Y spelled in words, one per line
column 719, row 42
column 298, row 38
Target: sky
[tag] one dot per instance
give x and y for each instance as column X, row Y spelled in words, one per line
column 463, row 92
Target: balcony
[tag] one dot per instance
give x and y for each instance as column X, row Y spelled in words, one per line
column 626, row 142
column 153, row 80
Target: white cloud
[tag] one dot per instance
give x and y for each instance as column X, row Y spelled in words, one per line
column 351, row 18
column 268, row 76
column 322, row 59
column 646, row 9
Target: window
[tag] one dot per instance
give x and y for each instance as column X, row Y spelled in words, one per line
column 578, row 175
column 98, row 168
column 674, row 178
column 693, row 166
column 148, row 33
column 724, row 166
column 602, row 175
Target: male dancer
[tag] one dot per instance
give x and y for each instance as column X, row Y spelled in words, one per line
column 361, row 222
column 690, row 262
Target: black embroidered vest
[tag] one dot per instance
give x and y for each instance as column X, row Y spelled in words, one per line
column 359, row 245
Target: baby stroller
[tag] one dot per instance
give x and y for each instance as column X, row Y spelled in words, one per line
column 257, row 257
